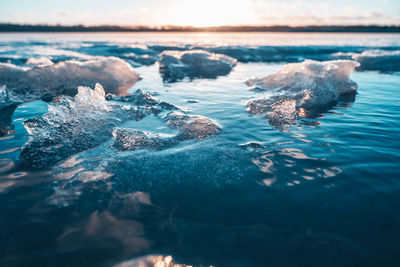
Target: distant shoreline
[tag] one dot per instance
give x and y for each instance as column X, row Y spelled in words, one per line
column 6, row 27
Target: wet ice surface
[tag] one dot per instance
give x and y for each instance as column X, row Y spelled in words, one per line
column 30, row 83
column 181, row 173
column 302, row 89
column 176, row 65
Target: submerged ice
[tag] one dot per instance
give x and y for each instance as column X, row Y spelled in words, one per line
column 300, row 89
column 176, row 65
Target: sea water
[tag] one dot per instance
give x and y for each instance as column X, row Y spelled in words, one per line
column 322, row 190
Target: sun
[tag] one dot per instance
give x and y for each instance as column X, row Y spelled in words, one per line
column 204, row 13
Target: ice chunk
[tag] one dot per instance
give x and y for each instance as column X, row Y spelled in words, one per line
column 192, row 126
column 73, row 125
column 64, row 77
column 4, row 98
column 301, row 87
column 189, row 126
column 131, row 139
column 176, row 65
column 39, row 61
column 379, row 60
column 7, row 107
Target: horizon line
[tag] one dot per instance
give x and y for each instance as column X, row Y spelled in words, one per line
column 12, row 27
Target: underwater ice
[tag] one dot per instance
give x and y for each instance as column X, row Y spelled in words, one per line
column 176, row 65
column 73, row 125
column 299, row 89
column 62, row 78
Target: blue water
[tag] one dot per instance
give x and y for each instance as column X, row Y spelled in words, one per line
column 322, row 192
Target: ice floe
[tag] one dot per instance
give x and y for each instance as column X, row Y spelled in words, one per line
column 63, row 78
column 189, row 127
column 192, row 126
column 39, row 61
column 299, row 89
column 379, row 60
column 7, row 107
column 176, row 65
column 73, row 125
column 131, row 139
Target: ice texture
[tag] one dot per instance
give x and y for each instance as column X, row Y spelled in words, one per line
column 299, row 89
column 131, row 139
column 39, row 61
column 176, row 65
column 72, row 125
column 379, row 60
column 7, row 107
column 192, row 126
column 64, row 77
column 4, row 98
column 189, row 127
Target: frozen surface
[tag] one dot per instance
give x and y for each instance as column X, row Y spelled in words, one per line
column 4, row 98
column 299, row 89
column 192, row 126
column 176, row 65
column 25, row 83
column 72, row 125
column 39, row 61
column 378, row 60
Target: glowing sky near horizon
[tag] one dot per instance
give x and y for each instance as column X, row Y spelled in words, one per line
column 201, row 12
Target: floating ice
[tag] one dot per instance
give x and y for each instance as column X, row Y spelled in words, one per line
column 299, row 89
column 64, row 77
column 131, row 139
column 192, row 126
column 4, row 98
column 378, row 60
column 39, row 61
column 176, row 65
column 73, row 125
column 189, row 127
column 7, row 107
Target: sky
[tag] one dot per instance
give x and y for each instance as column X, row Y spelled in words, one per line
column 201, row 12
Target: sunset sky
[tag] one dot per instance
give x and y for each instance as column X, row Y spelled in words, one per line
column 201, row 12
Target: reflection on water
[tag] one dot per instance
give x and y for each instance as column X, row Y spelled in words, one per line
column 152, row 261
column 290, row 166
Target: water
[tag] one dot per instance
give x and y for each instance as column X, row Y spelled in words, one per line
column 324, row 191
